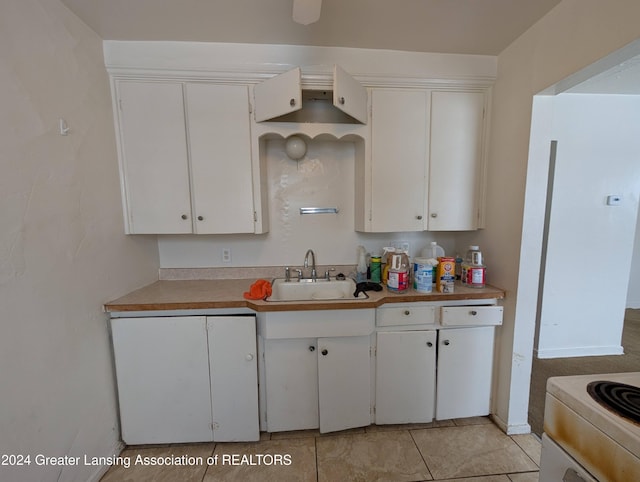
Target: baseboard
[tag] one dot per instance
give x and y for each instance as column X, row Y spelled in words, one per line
column 103, row 469
column 580, row 351
column 518, row 429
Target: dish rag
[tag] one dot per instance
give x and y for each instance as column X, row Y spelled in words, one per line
column 259, row 290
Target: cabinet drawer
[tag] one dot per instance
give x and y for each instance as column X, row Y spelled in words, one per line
column 471, row 315
column 405, row 314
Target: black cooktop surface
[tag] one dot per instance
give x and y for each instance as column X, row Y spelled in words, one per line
column 620, row 398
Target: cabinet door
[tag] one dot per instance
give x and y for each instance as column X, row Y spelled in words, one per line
column 162, row 370
column 405, row 376
column 234, row 378
column 344, row 382
column 349, row 95
column 220, row 151
column 465, row 368
column 399, row 127
column 154, row 157
column 457, row 122
column 291, row 381
column 278, row 96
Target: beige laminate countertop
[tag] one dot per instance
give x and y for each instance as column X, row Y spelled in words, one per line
column 212, row 294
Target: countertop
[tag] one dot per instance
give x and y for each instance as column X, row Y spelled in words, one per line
column 228, row 293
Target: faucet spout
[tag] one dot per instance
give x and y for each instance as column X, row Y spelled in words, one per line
column 314, row 274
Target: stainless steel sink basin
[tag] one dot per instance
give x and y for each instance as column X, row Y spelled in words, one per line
column 319, row 290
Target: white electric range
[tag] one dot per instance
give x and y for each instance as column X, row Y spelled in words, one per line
column 583, row 439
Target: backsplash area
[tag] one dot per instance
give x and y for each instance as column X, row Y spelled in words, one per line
column 323, row 178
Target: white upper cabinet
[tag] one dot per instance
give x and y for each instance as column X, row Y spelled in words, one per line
column 278, row 96
column 282, row 95
column 455, row 164
column 426, row 161
column 349, row 95
column 399, row 128
column 154, row 164
column 185, row 157
column 220, row 149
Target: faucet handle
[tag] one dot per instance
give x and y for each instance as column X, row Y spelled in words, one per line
column 287, row 274
column 299, row 271
column 326, row 274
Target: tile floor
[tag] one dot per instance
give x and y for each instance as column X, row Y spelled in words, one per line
column 466, row 450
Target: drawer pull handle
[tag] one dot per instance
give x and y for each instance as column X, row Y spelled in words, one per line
column 312, row 348
column 324, row 352
column 473, row 312
column 249, row 357
column 407, row 312
column 446, row 342
column 429, row 344
column 292, row 102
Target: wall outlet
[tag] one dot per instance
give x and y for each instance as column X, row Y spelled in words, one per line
column 226, row 255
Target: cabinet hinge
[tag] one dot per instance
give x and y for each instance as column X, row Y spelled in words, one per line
column 120, row 104
column 373, row 351
column 373, row 410
column 255, row 216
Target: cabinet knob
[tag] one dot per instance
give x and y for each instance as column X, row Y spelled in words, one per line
column 184, row 216
column 249, row 356
column 341, row 100
column 200, row 218
column 446, row 342
column 418, row 217
column 324, row 352
column 429, row 344
column 434, row 215
column 473, row 312
column 407, row 312
column 312, row 348
column 292, row 102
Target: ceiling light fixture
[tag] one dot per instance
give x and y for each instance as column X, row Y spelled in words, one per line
column 306, row 11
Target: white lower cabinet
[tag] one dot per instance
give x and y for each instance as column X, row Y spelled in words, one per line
column 465, row 368
column 186, row 379
column 405, row 376
column 317, row 383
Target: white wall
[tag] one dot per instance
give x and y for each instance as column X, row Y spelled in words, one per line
column 633, row 291
column 590, row 244
column 573, row 35
column 62, row 248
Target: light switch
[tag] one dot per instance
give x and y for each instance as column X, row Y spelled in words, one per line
column 614, row 200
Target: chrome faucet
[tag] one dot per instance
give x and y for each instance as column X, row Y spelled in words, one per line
column 314, row 275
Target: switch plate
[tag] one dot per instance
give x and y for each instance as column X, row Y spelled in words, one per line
column 614, row 200
column 226, row 255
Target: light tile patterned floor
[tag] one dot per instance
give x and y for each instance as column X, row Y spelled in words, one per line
column 459, row 451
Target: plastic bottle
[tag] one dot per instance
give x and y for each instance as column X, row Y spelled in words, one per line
column 473, row 269
column 399, row 273
column 361, row 270
column 386, row 257
column 433, row 251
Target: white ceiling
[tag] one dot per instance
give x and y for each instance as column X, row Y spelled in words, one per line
column 445, row 26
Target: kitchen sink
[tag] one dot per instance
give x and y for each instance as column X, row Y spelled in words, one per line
column 318, row 290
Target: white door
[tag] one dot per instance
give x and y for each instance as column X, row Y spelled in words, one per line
column 291, row 384
column 234, row 378
column 278, row 96
column 405, row 376
column 349, row 95
column 344, row 382
column 162, row 370
column 154, row 157
column 218, row 126
column 399, row 140
column 465, row 368
column 457, row 122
